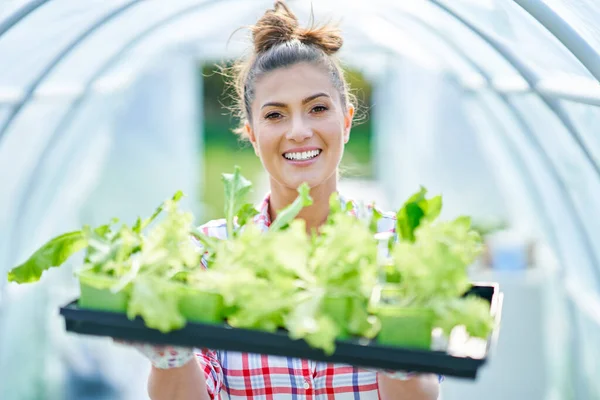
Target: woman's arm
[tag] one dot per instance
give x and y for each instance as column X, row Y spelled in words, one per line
column 180, row 373
column 419, row 387
column 183, row 383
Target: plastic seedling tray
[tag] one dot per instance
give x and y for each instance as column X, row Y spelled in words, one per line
column 101, row 299
column 410, row 328
column 457, row 361
column 201, row 306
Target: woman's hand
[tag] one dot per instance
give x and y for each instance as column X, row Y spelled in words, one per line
column 175, row 374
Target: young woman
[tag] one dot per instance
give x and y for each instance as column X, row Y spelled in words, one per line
column 296, row 112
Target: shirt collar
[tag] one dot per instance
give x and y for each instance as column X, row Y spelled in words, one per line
column 263, row 219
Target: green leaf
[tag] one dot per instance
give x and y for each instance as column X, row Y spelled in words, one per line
column 472, row 312
column 127, row 277
column 237, row 189
column 287, row 215
column 105, row 230
column 266, row 311
column 408, row 220
column 246, row 214
column 167, row 248
column 306, row 321
column 434, row 266
column 137, row 227
column 157, row 302
column 415, row 210
column 345, row 256
column 335, row 204
column 108, row 251
column 208, row 243
column 140, row 226
column 432, row 208
column 375, row 218
column 52, row 254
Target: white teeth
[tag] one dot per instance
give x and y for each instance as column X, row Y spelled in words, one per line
column 305, row 155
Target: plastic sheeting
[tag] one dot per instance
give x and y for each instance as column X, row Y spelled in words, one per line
column 581, row 15
column 521, row 34
column 119, row 156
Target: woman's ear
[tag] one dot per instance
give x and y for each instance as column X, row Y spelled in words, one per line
column 250, row 135
column 348, row 122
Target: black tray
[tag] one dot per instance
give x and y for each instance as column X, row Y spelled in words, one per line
column 358, row 352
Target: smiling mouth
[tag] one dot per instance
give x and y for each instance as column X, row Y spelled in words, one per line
column 302, row 156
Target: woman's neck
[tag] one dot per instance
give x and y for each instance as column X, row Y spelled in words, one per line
column 314, row 215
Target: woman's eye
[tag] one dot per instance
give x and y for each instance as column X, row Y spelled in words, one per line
column 319, row 109
column 273, row 115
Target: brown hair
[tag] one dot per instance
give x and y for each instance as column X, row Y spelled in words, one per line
column 279, row 42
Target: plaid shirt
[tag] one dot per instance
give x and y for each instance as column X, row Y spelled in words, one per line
column 233, row 375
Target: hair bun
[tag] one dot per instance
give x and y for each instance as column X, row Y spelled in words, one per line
column 276, row 26
column 280, row 25
column 327, row 38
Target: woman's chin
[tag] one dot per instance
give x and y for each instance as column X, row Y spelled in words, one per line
column 292, row 178
column 312, row 181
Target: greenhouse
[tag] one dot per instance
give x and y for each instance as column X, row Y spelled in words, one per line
column 495, row 104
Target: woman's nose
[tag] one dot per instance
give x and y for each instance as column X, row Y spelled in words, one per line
column 300, row 130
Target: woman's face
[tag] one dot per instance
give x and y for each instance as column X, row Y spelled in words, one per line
column 299, row 126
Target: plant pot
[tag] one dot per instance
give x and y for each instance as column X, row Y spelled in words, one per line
column 198, row 305
column 338, row 308
column 406, row 327
column 96, row 293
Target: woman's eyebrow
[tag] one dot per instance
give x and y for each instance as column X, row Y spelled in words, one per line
column 314, row 96
column 306, row 100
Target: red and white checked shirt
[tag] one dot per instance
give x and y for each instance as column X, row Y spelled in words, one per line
column 233, row 375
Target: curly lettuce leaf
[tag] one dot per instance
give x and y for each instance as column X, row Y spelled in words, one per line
column 264, row 308
column 258, row 287
column 289, row 252
column 52, row 254
column 239, row 253
column 282, row 254
column 472, row 312
column 344, row 260
column 167, row 248
column 432, row 273
column 109, row 250
column 157, row 302
column 253, row 302
column 113, row 254
column 307, row 321
column 320, row 324
column 345, row 256
column 435, row 265
column 99, row 243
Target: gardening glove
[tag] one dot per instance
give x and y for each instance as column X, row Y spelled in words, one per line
column 163, row 357
column 400, row 375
